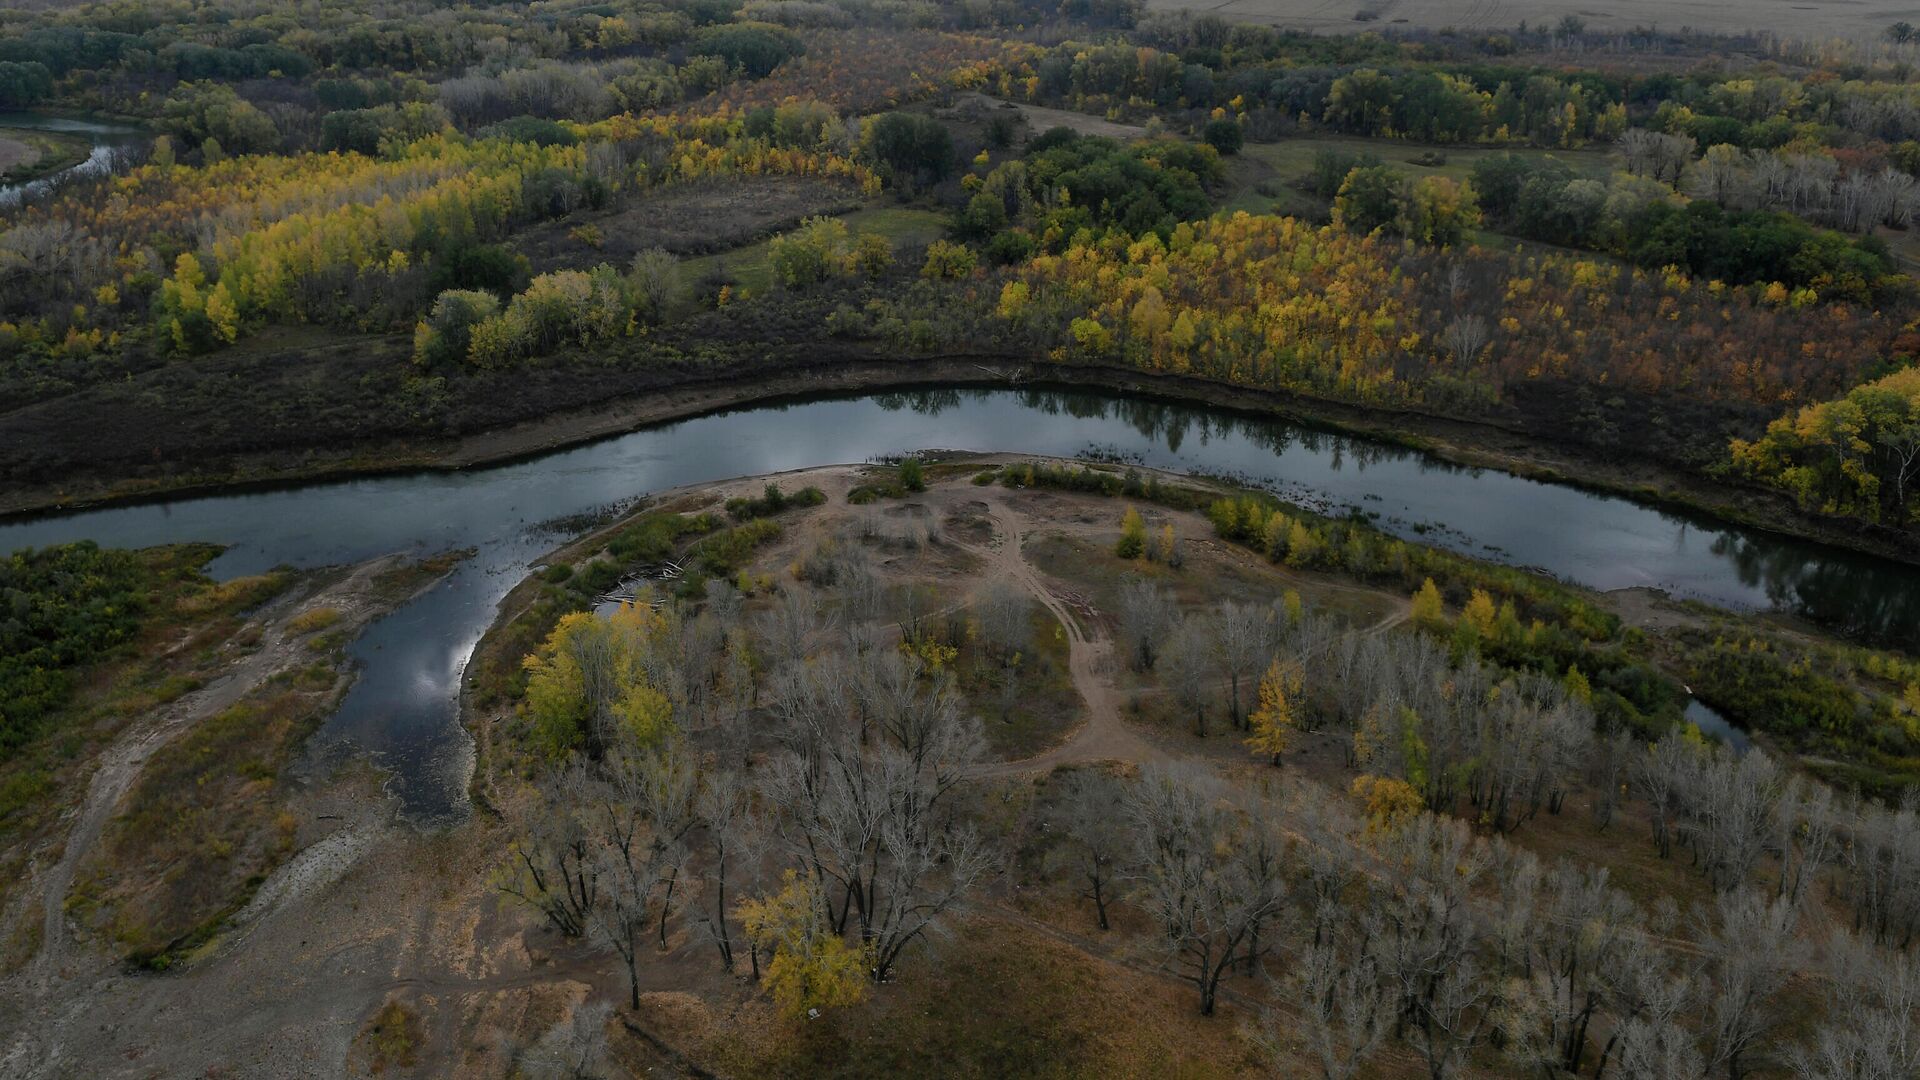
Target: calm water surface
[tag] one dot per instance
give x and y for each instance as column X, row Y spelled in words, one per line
column 402, row 710
column 111, row 144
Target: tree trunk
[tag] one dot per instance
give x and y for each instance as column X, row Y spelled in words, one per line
column 666, row 906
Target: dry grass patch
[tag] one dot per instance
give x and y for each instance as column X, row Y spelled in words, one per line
column 314, row 620
column 997, row 999
column 204, row 825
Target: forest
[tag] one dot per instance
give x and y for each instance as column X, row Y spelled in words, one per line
column 1348, row 840
column 1740, row 257
column 373, row 175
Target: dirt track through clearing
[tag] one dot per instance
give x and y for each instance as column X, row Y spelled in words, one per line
column 1104, row 736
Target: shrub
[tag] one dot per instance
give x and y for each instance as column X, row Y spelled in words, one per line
column 810, row 254
column 1224, row 135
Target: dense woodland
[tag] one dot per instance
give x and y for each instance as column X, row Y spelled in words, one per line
column 370, row 168
column 783, row 774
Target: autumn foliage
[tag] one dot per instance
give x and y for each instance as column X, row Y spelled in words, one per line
column 1277, row 302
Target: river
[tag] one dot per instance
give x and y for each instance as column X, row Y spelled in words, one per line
column 111, row 142
column 402, row 710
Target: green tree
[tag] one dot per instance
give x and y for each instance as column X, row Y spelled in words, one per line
column 199, row 113
column 446, row 333
column 1370, row 200
column 913, row 147
column 1224, row 135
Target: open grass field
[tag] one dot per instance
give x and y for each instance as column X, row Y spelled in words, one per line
column 751, row 271
column 1854, row 19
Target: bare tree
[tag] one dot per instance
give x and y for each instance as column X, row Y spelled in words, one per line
column 791, row 626
column 1660, row 776
column 1654, row 1044
column 1465, row 336
column 1094, row 845
column 1750, row 956
column 729, row 836
column 1871, row 1029
column 1651, row 153
column 1147, row 615
column 553, row 865
column 1429, row 938
column 1806, row 835
column 1583, row 929
column 868, row 821
column 646, row 810
column 1730, row 813
column 1185, row 664
column 1201, row 879
column 1006, row 619
column 1882, row 864
column 1344, row 998
column 1607, row 773
column 1240, row 636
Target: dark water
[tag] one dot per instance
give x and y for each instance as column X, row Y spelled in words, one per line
column 402, row 709
column 111, row 143
column 1715, row 726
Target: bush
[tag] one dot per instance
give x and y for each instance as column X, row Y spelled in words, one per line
column 1224, row 135
column 772, row 501
column 814, row 252
column 446, row 333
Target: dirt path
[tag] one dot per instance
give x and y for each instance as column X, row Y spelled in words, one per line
column 121, row 763
column 1104, row 736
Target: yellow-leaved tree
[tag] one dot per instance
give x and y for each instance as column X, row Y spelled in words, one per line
column 587, row 683
column 1276, row 720
column 1479, row 613
column 1428, row 609
column 811, row 966
column 1133, row 536
column 1391, row 804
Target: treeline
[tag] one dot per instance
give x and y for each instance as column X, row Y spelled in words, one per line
column 367, row 242
column 1284, row 86
column 1275, row 302
column 1856, row 456
column 99, row 57
column 1644, row 224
